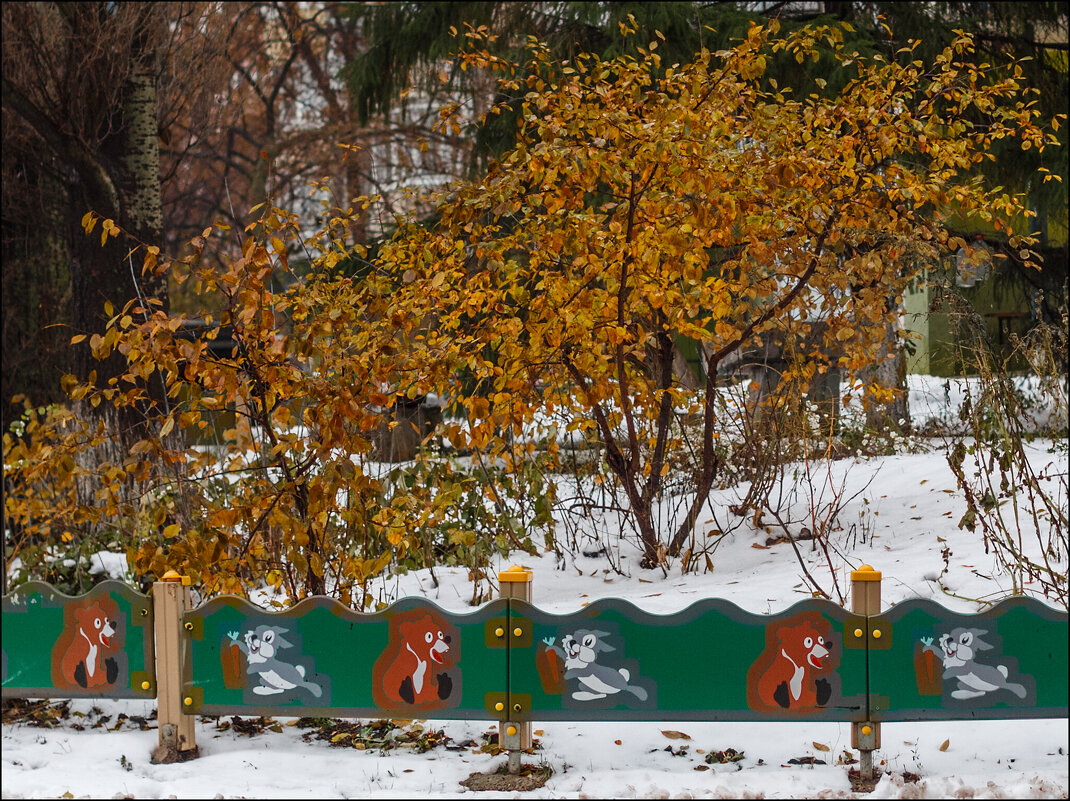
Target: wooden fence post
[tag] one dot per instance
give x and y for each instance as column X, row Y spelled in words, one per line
column 866, row 601
column 514, row 737
column 177, row 733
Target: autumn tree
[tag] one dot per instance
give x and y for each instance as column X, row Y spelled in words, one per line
column 642, row 205
column 407, row 41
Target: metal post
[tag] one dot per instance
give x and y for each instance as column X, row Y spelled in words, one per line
column 177, row 733
column 866, row 601
column 514, row 737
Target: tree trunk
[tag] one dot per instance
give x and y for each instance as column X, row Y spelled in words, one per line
column 889, row 372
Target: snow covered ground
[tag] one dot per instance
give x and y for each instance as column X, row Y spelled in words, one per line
column 908, row 509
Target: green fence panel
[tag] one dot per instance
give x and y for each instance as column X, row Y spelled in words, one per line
column 711, row 661
column 1008, row 662
column 320, row 658
column 96, row 645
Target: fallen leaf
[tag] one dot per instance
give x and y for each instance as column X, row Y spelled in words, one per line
column 759, row 547
column 944, row 745
column 807, row 760
column 675, row 735
column 702, row 767
column 538, row 732
column 617, row 742
column 821, row 746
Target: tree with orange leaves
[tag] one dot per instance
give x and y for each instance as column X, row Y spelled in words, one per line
column 643, row 205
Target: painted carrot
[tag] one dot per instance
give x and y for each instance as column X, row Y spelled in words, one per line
column 551, row 657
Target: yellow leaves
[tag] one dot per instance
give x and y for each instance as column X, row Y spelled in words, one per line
column 108, row 227
column 168, row 425
column 478, row 408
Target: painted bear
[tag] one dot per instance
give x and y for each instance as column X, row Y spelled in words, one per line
column 793, row 671
column 89, row 659
column 417, row 664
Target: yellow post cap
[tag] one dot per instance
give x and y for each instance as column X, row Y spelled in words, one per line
column 511, row 731
column 865, row 573
column 172, row 575
column 516, row 573
column 867, row 729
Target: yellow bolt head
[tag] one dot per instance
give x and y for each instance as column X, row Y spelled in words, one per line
column 867, row 730
column 499, row 706
column 188, row 626
column 517, row 707
column 187, row 701
column 877, row 634
column 145, row 685
column 517, row 632
column 858, row 632
column 499, row 632
column 511, row 731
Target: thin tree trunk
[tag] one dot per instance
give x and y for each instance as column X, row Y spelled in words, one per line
column 888, row 372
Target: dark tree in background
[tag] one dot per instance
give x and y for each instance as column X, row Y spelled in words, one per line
column 79, row 133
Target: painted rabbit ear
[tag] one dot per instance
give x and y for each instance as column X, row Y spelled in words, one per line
column 978, row 643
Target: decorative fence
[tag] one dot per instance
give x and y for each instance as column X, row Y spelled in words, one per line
column 511, row 662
